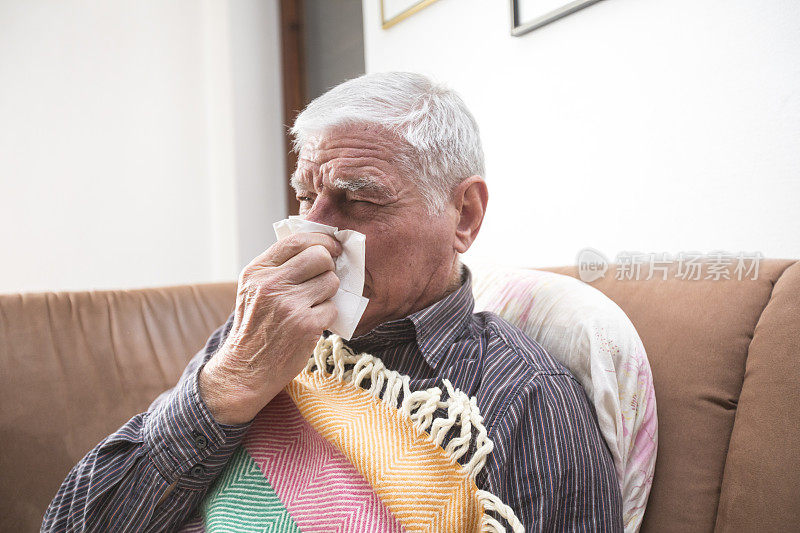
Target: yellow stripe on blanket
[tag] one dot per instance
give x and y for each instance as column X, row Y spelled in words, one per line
column 421, row 486
column 395, row 439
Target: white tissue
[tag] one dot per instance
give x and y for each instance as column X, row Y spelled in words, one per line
column 349, row 269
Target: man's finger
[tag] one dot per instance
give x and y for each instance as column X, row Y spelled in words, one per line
column 320, row 288
column 324, row 314
column 285, row 249
column 308, row 264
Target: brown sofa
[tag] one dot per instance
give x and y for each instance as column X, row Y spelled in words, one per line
column 725, row 357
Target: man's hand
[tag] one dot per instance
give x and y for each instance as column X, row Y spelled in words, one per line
column 282, row 307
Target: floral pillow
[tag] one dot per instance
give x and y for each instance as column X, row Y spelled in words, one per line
column 590, row 335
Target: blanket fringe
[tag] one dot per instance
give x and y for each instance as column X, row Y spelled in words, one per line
column 332, row 356
column 491, row 502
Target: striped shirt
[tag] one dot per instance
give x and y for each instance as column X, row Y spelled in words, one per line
column 550, row 462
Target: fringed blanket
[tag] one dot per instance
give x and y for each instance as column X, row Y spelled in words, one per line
column 348, row 447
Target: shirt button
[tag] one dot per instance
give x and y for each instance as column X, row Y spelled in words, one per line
column 197, row 471
column 200, row 441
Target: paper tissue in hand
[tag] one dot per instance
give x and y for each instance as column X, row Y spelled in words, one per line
column 349, row 269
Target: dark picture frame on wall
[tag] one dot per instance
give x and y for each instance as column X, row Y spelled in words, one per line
column 527, row 15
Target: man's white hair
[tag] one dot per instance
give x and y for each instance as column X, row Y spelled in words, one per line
column 443, row 137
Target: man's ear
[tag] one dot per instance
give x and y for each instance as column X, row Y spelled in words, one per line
column 469, row 198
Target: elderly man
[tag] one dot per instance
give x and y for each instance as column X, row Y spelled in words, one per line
column 399, row 159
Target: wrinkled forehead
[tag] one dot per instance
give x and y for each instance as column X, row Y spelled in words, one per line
column 352, row 152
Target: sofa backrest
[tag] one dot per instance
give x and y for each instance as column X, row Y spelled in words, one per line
column 725, row 357
column 76, row 366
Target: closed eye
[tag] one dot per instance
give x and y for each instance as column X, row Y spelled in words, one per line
column 363, row 197
column 359, row 200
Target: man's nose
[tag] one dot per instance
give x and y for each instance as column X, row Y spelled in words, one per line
column 324, row 211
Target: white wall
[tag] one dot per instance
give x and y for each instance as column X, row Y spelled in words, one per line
column 140, row 141
column 656, row 126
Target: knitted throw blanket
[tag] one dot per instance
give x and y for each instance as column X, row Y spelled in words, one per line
column 348, row 447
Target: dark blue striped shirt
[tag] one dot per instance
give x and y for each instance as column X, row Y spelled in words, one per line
column 549, row 463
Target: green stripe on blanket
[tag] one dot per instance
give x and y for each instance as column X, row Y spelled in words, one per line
column 244, row 501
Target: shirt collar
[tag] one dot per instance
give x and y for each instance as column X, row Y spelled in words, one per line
column 432, row 328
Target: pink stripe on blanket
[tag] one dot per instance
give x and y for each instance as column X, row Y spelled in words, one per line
column 317, row 485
